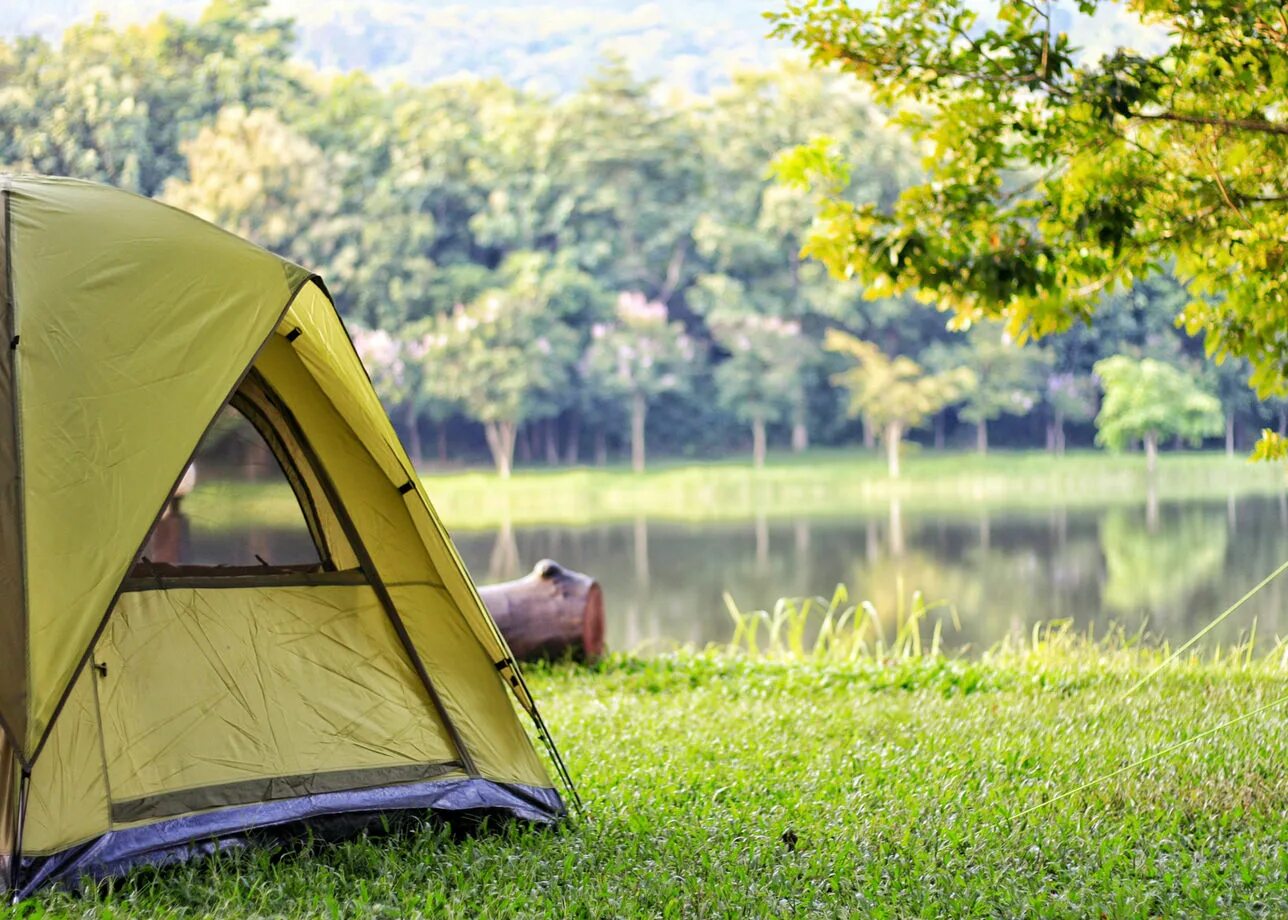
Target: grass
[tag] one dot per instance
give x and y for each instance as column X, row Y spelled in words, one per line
column 722, row 785
column 820, row 482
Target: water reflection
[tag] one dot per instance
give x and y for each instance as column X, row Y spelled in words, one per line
column 1169, row 566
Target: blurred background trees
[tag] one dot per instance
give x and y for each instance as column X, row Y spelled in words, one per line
column 552, row 278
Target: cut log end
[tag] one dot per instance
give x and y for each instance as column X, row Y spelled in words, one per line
column 550, row 613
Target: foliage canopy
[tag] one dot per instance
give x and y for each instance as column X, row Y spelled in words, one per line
column 1052, row 177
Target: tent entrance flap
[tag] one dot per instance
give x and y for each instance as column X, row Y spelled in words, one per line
column 366, row 564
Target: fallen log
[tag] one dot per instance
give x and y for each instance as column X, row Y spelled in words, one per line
column 549, row 613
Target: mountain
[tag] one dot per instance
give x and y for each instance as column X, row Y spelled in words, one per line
column 540, row 45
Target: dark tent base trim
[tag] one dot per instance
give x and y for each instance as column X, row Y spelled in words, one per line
column 192, row 836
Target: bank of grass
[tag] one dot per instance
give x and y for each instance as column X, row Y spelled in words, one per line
column 718, row 785
column 816, row 483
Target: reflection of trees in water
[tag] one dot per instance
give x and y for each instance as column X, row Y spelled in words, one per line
column 1000, row 579
column 504, row 564
column 1154, row 569
column 1003, row 572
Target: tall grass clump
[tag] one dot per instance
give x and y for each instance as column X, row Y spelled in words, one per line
column 834, row 629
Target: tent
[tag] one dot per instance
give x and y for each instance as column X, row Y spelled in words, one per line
column 155, row 711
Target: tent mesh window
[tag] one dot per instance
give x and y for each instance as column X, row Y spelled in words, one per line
column 247, row 505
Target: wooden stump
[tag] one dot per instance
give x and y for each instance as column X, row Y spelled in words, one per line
column 549, row 613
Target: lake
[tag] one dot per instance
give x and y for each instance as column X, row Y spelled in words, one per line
column 1170, row 568
column 1122, row 556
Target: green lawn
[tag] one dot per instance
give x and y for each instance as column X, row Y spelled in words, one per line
column 818, row 482
column 720, row 787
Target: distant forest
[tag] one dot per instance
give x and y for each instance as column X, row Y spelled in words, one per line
column 556, row 278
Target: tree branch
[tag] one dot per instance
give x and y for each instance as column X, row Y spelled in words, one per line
column 1257, row 125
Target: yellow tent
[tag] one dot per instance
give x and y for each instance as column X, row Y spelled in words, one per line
column 150, row 709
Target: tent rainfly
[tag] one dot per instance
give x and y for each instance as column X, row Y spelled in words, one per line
column 153, row 712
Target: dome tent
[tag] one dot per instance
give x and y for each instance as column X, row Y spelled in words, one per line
column 148, row 710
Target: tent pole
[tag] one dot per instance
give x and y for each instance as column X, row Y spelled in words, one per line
column 24, row 784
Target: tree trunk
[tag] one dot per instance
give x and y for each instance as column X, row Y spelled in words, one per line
column 500, row 441
column 552, row 441
column 893, row 435
column 939, row 431
column 1050, row 437
column 601, row 448
column 1151, row 452
column 800, row 438
column 572, row 453
column 549, row 613
column 524, row 432
column 639, row 413
column 411, row 418
column 758, row 442
column 869, row 434
column 1059, row 432
column 1229, row 434
column 981, row 436
column 800, row 428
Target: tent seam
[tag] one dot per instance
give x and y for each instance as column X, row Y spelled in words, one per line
column 20, row 744
column 102, row 746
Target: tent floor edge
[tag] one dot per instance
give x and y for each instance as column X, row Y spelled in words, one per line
column 328, row 816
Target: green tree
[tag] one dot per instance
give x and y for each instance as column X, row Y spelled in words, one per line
column 894, row 394
column 1146, row 400
column 1054, row 176
column 761, row 381
column 633, row 183
column 636, row 358
column 116, row 105
column 253, row 175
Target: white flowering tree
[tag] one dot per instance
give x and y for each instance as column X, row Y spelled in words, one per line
column 503, row 360
column 396, row 365
column 762, row 380
column 1071, row 398
column 637, row 357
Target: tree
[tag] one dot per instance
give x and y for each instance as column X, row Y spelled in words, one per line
column 894, row 394
column 251, row 174
column 504, row 360
column 761, row 380
column 116, row 105
column 1072, row 398
column 1228, row 381
column 1007, row 377
column 636, row 358
column 1053, row 176
column 1146, row 400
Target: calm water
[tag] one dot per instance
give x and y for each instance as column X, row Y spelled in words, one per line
column 1172, row 569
